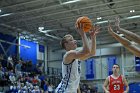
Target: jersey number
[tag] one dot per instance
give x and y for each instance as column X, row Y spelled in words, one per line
column 116, row 87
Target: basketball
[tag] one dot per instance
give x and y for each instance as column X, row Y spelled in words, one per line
column 85, row 22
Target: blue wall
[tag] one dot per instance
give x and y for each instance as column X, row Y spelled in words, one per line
column 137, row 61
column 111, row 62
column 41, row 48
column 134, row 88
column 90, row 69
column 28, row 53
column 12, row 48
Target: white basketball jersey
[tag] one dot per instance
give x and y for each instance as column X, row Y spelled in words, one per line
column 70, row 77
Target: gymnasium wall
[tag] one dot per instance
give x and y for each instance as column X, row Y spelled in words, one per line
column 54, row 58
column 33, row 51
column 40, row 52
column 101, row 62
column 100, row 67
column 7, row 48
column 30, row 52
column 124, row 58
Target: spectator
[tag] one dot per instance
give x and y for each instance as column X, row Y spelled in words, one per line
column 35, row 81
column 45, row 88
column 10, row 61
column 1, row 73
column 50, row 88
column 14, row 59
column 18, row 68
column 12, row 77
column 2, row 61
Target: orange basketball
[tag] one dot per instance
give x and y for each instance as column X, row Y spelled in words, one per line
column 85, row 22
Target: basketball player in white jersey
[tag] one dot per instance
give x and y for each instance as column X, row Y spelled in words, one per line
column 71, row 68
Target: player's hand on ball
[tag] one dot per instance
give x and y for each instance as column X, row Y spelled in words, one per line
column 94, row 31
column 80, row 29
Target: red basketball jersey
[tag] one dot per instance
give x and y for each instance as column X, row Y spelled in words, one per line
column 116, row 85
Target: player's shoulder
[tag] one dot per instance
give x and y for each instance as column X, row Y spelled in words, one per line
column 107, row 78
column 69, row 56
column 123, row 77
column 71, row 52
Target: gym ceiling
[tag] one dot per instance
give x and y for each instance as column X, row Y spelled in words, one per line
column 47, row 21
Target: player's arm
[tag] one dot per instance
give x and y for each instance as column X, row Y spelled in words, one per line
column 105, row 85
column 128, row 34
column 78, row 90
column 85, row 49
column 125, row 42
column 92, row 43
column 126, row 84
column 93, row 33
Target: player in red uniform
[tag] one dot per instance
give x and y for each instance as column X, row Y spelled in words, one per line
column 115, row 83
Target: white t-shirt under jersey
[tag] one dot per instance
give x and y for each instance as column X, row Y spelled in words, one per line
column 70, row 77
